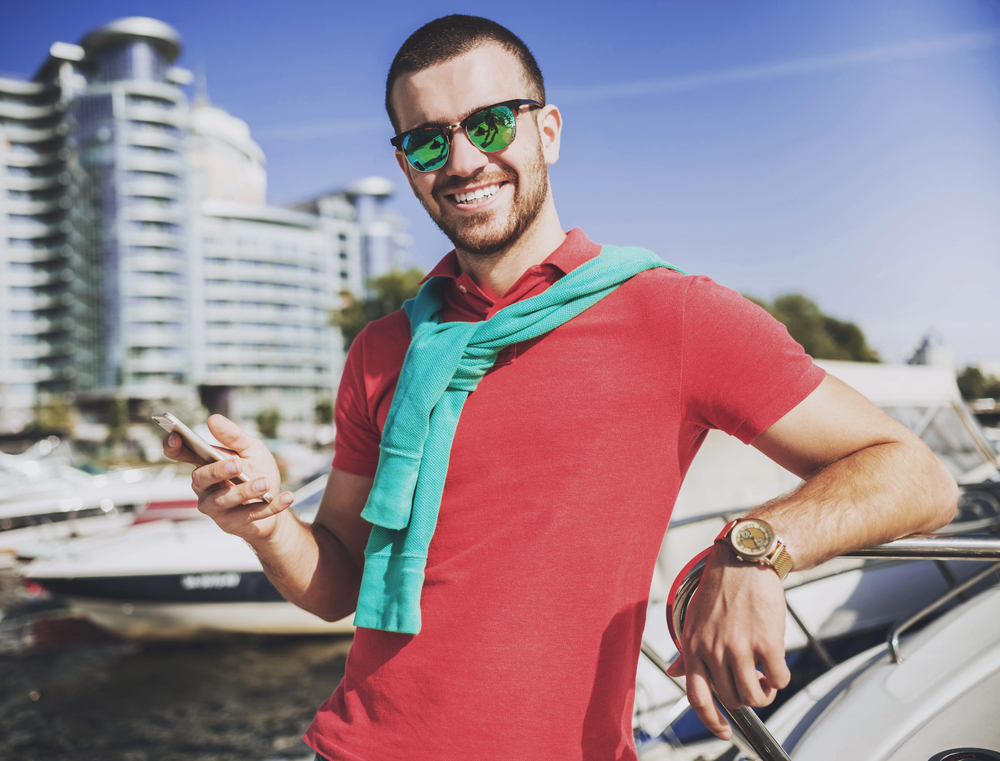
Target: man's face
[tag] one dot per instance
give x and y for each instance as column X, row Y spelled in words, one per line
column 514, row 182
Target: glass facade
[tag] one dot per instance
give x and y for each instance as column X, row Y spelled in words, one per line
column 138, row 257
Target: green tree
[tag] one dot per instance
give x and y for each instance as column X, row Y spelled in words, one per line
column 118, row 421
column 973, row 383
column 822, row 336
column 268, row 422
column 324, row 412
column 389, row 291
column 54, row 414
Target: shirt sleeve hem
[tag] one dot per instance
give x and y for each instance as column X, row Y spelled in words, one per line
column 356, row 466
column 776, row 409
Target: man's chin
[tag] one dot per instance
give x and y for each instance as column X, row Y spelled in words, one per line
column 479, row 240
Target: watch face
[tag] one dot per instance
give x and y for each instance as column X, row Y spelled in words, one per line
column 751, row 538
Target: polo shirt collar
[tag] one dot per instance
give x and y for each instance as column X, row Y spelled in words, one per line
column 573, row 252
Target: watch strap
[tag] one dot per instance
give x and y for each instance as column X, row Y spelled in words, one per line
column 780, row 559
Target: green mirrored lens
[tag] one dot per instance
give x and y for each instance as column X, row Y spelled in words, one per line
column 492, row 129
column 426, row 149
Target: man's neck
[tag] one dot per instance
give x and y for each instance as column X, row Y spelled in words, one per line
column 496, row 274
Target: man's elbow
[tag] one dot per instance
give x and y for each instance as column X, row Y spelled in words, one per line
column 945, row 497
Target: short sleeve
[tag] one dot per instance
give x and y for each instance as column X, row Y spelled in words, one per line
column 355, row 449
column 742, row 371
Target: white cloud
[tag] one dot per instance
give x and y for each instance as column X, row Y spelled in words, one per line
column 905, row 51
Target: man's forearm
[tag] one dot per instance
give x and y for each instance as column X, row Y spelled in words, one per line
column 311, row 568
column 873, row 496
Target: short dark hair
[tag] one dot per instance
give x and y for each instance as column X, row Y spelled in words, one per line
column 451, row 36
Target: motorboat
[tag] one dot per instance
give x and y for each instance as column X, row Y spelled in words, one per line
column 929, row 690
column 47, row 497
column 177, row 580
column 844, row 600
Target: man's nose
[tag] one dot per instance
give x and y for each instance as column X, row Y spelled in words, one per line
column 464, row 158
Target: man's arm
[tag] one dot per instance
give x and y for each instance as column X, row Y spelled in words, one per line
column 867, row 480
column 318, row 567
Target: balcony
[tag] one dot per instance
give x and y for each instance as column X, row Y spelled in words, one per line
column 42, row 350
column 35, row 279
column 152, row 262
column 35, row 255
column 33, row 183
column 167, row 165
column 154, row 188
column 151, row 212
column 143, row 238
column 154, row 139
column 33, row 207
column 31, row 230
column 14, row 110
column 19, row 133
column 137, row 365
column 170, row 116
column 152, row 89
column 31, row 159
column 155, row 288
column 154, row 313
column 154, row 339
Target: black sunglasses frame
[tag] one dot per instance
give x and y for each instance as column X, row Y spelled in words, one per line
column 448, row 130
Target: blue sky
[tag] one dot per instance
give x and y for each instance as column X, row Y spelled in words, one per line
column 848, row 149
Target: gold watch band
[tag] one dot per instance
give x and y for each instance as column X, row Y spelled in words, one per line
column 781, row 560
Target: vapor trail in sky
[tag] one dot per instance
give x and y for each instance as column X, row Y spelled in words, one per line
column 881, row 54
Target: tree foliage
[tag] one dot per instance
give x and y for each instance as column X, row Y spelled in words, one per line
column 389, row 291
column 118, row 421
column 267, row 423
column 324, row 412
column 54, row 414
column 975, row 384
column 822, row 336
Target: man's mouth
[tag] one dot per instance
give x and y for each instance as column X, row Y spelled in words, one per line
column 477, row 195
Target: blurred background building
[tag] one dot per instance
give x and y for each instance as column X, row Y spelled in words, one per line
column 139, row 259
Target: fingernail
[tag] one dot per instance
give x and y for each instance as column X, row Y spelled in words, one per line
column 260, row 485
column 286, row 499
column 232, row 467
column 172, row 440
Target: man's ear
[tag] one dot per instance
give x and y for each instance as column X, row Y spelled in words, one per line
column 405, row 168
column 550, row 129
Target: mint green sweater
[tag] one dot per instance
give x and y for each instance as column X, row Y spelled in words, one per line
column 443, row 365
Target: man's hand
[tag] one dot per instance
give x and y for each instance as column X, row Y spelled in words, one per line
column 236, row 508
column 734, row 638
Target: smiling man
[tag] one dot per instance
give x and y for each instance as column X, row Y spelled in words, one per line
column 509, row 448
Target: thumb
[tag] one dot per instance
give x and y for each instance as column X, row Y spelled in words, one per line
column 229, row 434
column 677, row 667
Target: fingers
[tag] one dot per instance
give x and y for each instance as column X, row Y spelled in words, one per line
column 775, row 670
column 699, row 694
column 231, row 435
column 676, row 669
column 235, row 512
column 174, row 449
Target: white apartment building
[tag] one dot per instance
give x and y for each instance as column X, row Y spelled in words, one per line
column 138, row 256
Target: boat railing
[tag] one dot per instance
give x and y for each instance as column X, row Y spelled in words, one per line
column 917, row 547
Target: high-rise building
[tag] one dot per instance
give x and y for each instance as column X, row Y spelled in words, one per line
column 138, row 256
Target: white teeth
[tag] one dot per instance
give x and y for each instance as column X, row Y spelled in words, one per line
column 476, row 195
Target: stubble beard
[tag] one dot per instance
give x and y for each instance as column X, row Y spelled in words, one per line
column 486, row 235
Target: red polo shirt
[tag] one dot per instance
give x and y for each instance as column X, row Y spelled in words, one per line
column 563, row 473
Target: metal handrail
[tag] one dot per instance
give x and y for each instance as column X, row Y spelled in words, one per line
column 918, row 546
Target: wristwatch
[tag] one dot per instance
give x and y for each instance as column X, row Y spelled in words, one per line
column 754, row 541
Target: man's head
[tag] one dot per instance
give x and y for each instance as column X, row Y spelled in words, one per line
column 483, row 198
column 451, row 36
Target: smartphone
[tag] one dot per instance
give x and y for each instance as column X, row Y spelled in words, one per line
column 199, row 446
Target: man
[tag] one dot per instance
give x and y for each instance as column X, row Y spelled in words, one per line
column 564, row 463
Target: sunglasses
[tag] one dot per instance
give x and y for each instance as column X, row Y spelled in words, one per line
column 490, row 129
